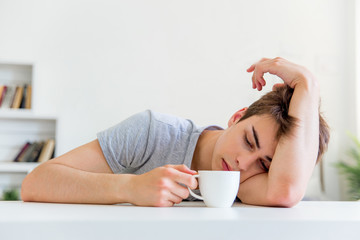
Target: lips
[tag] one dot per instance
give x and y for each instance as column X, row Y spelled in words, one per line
column 225, row 166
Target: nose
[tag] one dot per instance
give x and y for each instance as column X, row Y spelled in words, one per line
column 244, row 162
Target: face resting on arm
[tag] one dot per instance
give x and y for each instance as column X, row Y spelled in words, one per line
column 301, row 134
column 274, row 143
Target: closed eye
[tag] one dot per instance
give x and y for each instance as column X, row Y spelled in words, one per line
column 262, row 162
column 248, row 142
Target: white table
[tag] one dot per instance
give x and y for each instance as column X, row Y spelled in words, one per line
column 189, row 220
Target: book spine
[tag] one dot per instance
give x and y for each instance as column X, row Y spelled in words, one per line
column 22, row 151
column 3, row 90
column 23, row 98
column 28, row 97
column 17, row 97
column 33, row 157
column 9, row 95
column 47, row 151
column 27, row 152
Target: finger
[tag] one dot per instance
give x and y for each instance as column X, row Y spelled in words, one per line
column 257, row 82
column 251, row 68
column 172, row 185
column 253, row 81
column 264, row 59
column 260, row 70
column 258, row 85
column 262, row 81
column 180, row 191
column 269, row 66
column 166, row 204
column 185, row 178
column 174, row 198
column 183, row 168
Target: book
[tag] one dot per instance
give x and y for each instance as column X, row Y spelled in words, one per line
column 28, row 97
column 22, row 102
column 35, row 153
column 9, row 95
column 47, row 151
column 22, row 151
column 17, row 97
column 27, row 152
column 3, row 89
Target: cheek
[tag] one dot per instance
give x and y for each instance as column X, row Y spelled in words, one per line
column 227, row 144
column 219, row 145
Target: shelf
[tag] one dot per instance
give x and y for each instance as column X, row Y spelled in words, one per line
column 19, row 126
column 23, row 114
column 17, row 167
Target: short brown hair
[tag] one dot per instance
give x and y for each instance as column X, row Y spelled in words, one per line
column 276, row 103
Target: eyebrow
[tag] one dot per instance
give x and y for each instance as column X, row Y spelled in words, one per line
column 256, row 137
column 258, row 144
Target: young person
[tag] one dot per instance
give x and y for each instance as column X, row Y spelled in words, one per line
column 275, row 144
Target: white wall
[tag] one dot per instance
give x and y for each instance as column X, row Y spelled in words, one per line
column 97, row 62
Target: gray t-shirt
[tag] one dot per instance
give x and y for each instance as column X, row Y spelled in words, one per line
column 148, row 140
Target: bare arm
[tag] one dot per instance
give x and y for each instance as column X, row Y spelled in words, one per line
column 79, row 176
column 83, row 176
column 295, row 156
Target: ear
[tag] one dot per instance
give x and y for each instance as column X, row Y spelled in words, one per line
column 237, row 116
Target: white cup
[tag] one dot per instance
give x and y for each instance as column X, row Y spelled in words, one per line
column 218, row 188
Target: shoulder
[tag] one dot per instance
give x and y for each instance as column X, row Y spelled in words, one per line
column 152, row 124
column 149, row 116
column 171, row 121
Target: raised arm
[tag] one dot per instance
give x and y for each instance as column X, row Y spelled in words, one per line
column 295, row 156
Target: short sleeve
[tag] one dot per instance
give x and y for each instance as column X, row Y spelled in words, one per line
column 124, row 144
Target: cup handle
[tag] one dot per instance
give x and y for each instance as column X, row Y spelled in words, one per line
column 193, row 194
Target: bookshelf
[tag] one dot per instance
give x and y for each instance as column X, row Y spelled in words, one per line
column 20, row 125
column 6, row 167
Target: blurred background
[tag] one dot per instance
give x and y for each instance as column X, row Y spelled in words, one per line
column 95, row 63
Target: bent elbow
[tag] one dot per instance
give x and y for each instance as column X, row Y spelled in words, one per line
column 25, row 196
column 25, row 191
column 28, row 188
column 286, row 199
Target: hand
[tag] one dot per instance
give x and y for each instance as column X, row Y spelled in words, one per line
column 161, row 186
column 292, row 74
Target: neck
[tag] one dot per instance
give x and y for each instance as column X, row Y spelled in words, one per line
column 203, row 153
